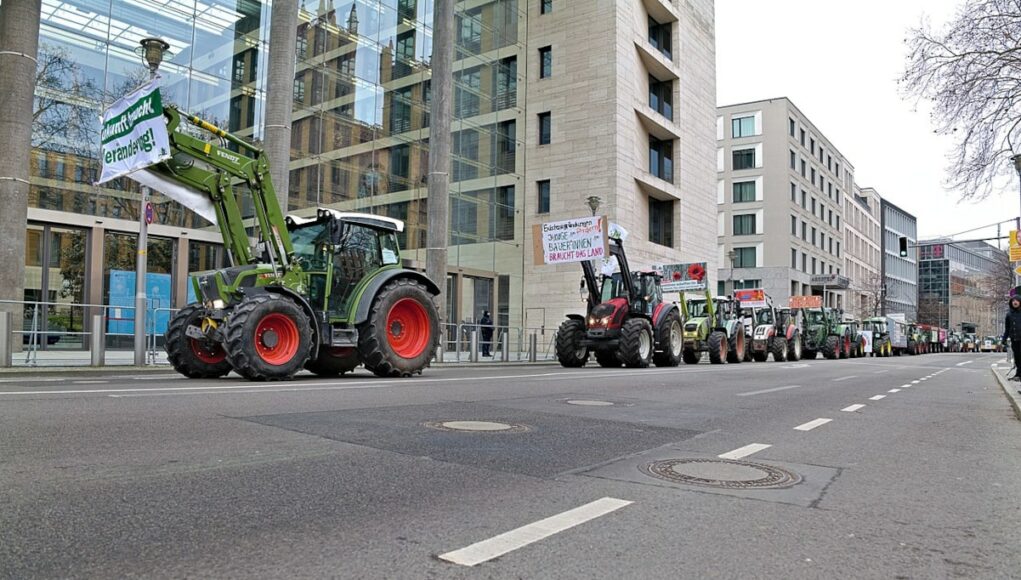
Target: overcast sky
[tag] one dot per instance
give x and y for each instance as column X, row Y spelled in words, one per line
column 839, row 63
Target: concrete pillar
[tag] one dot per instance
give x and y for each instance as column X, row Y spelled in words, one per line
column 283, row 28
column 19, row 43
column 181, row 273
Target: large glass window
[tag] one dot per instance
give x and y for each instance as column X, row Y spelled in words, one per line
column 545, row 128
column 744, row 224
column 543, row 189
column 545, row 6
column 661, row 158
column 659, row 37
column 661, row 222
column 744, row 159
column 661, row 97
column 545, row 62
column 744, row 258
column 744, row 191
column 742, row 126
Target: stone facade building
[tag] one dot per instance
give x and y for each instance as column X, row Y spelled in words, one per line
column 863, row 252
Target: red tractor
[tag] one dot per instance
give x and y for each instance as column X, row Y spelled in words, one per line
column 626, row 323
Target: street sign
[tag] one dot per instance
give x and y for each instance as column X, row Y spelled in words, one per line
column 150, row 214
column 683, row 277
column 805, row 302
column 751, row 298
column 1017, row 270
column 1015, row 247
column 576, row 240
column 831, row 280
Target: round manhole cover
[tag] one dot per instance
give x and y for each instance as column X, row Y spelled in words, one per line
column 722, row 473
column 476, row 426
column 588, row 403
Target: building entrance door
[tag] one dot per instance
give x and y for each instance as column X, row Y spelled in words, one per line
column 56, row 267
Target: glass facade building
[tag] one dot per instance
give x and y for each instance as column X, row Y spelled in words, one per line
column 955, row 285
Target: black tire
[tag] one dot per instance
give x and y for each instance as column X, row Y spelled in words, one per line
column 736, row 346
column 779, row 349
column 636, row 343
column 332, row 362
column 911, row 347
column 193, row 358
column 760, row 356
column 670, row 341
column 608, row 359
column 691, row 356
column 248, row 329
column 843, row 347
column 809, row 354
column 832, row 348
column 794, row 348
column 570, row 353
column 378, row 344
column 717, row 347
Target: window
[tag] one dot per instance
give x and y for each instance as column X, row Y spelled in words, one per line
column 661, row 222
column 812, row 173
column 299, row 90
column 804, row 168
column 838, row 253
column 301, row 46
column 544, row 196
column 659, row 37
column 831, row 245
column 813, row 206
column 469, row 36
column 790, row 124
column 744, row 224
column 743, row 284
column 467, row 92
column 794, row 192
column 813, row 265
column 838, row 221
column 744, row 258
column 794, row 226
column 545, row 62
column 837, row 170
column 812, row 147
column 744, row 191
column 742, row 127
column 545, row 128
column 804, row 262
column 802, row 137
column 813, row 235
column 744, row 159
column 804, row 231
column 829, row 162
column 661, row 158
column 794, row 259
column 829, row 219
column 661, row 97
column 505, row 148
column 804, row 199
column 545, row 6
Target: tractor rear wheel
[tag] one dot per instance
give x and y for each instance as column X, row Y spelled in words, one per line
column 607, row 359
column 399, row 337
column 194, row 358
column 691, row 356
column 794, row 347
column 269, row 338
column 845, row 347
column 779, row 349
column 636, row 343
column 911, row 347
column 570, row 352
column 670, row 342
column 717, row 347
column 735, row 353
column 832, row 348
column 333, row 361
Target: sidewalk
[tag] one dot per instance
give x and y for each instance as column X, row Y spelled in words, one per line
column 1010, row 388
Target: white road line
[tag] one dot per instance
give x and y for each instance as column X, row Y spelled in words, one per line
column 893, row 391
column 32, row 380
column 881, row 372
column 812, row 424
column 744, row 451
column 764, row 391
column 915, row 382
column 907, row 386
column 877, row 398
column 852, row 408
column 509, row 541
column 90, row 382
column 967, row 362
column 844, row 378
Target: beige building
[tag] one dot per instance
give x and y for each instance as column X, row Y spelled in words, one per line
column 863, row 252
column 781, row 187
column 620, row 105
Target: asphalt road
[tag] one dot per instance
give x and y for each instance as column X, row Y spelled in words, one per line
column 888, row 468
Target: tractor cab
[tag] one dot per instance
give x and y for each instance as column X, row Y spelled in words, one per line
column 764, row 317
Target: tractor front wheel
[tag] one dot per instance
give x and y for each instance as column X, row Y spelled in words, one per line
column 570, row 352
column 760, row 356
column 691, row 356
column 636, row 344
column 736, row 352
column 192, row 357
column 779, row 349
column 794, row 349
column 832, row 348
column 607, row 359
column 670, row 342
column 269, row 338
column 717, row 347
column 399, row 337
column 334, row 361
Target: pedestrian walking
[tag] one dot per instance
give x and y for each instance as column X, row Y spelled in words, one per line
column 1012, row 330
column 486, row 325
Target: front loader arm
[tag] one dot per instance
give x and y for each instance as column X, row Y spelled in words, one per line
column 251, row 167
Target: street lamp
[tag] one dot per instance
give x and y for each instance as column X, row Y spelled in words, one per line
column 731, row 254
column 152, row 51
column 594, row 201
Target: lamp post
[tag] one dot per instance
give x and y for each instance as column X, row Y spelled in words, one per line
column 731, row 255
column 1017, row 225
column 151, row 50
column 593, row 202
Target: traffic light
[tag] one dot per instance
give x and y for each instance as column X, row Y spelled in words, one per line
column 903, row 247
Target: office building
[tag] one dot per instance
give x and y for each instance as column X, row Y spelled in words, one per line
column 900, row 274
column 781, row 190
column 863, row 252
column 545, row 117
column 963, row 282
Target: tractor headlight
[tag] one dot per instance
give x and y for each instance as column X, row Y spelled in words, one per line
column 218, row 304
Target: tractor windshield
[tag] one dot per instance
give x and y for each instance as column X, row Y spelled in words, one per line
column 613, row 287
column 306, row 239
column 764, row 316
column 696, row 308
column 816, row 317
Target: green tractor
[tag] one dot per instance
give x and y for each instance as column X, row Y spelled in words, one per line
column 824, row 333
column 712, row 325
column 326, row 292
column 881, row 344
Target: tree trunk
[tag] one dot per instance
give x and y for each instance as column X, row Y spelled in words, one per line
column 438, row 233
column 283, row 27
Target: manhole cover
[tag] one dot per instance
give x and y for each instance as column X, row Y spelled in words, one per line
column 588, row 403
column 476, row 426
column 722, row 473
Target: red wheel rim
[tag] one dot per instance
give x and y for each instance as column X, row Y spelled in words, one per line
column 206, row 352
column 276, row 338
column 407, row 328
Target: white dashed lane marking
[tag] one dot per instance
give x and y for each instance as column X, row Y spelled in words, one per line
column 744, row 451
column 893, row 391
column 852, row 408
column 812, row 424
column 877, row 397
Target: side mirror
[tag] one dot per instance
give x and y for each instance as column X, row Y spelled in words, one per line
column 582, row 291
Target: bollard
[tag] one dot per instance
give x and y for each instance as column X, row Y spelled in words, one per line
column 533, row 348
column 473, row 347
column 505, row 349
column 97, row 341
column 439, row 351
column 6, row 340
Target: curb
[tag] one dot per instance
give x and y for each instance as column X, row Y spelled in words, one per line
column 1012, row 394
column 112, row 369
